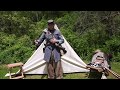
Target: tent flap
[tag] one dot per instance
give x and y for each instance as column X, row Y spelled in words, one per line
column 71, row 62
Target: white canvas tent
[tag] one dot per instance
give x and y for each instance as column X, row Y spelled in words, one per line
column 71, row 62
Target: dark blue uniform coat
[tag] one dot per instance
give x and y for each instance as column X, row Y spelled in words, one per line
column 49, row 49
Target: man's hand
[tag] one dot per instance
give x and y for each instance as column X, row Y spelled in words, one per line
column 100, row 70
column 53, row 40
column 36, row 42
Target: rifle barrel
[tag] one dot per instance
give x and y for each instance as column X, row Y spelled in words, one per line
column 114, row 73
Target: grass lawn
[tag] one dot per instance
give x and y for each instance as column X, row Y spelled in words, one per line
column 115, row 67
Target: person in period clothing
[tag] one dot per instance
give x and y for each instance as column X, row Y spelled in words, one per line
column 99, row 53
column 52, row 53
column 99, row 59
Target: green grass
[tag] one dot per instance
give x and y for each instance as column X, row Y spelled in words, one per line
column 115, row 67
column 3, row 71
column 65, row 76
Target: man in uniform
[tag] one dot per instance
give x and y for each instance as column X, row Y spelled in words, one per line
column 52, row 53
column 99, row 60
column 101, row 54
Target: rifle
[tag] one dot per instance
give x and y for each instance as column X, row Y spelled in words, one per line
column 113, row 73
column 61, row 48
column 99, row 69
column 102, row 70
column 50, row 36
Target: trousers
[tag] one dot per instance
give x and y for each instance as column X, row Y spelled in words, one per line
column 54, row 69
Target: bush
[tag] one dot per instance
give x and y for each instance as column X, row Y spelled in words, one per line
column 85, row 31
column 15, row 54
column 19, row 51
